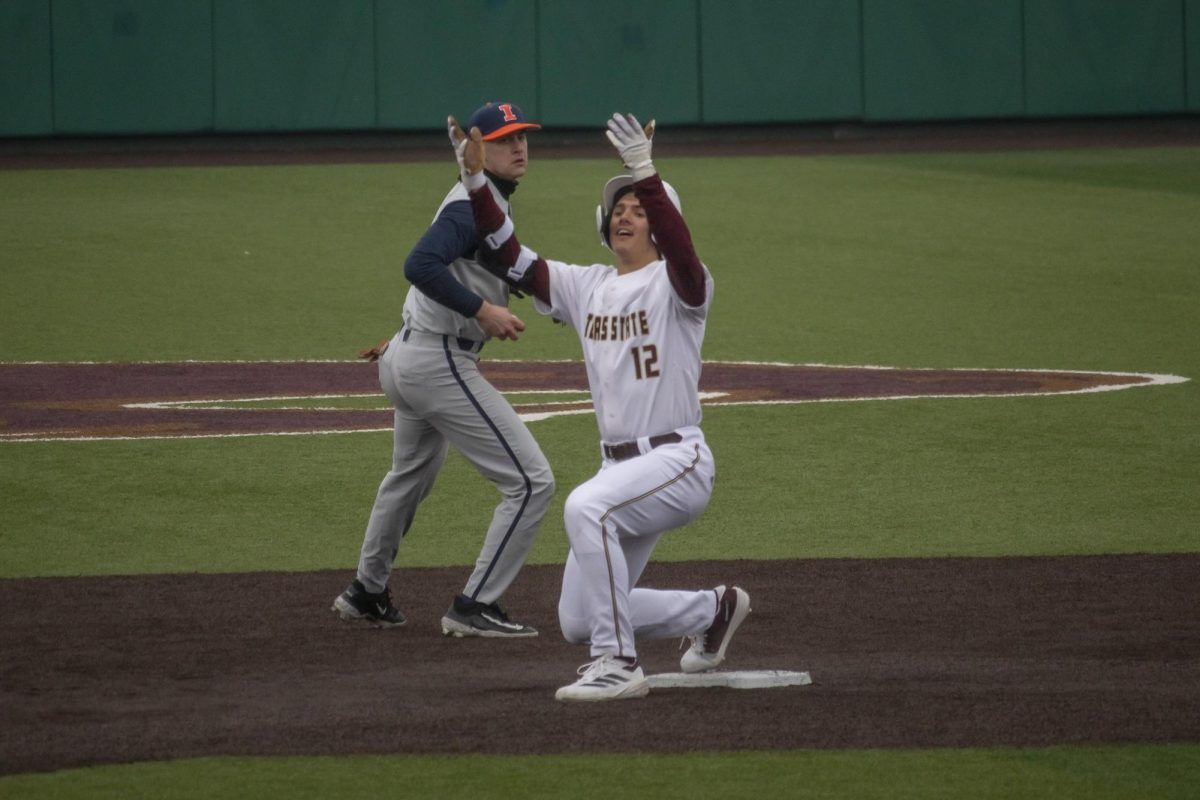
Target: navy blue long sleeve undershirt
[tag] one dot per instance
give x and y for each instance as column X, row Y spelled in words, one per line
column 450, row 237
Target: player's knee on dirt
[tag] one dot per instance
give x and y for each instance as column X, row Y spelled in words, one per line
column 575, row 629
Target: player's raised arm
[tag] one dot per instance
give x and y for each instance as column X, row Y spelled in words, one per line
column 521, row 267
column 634, row 142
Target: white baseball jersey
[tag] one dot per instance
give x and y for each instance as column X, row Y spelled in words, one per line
column 641, row 345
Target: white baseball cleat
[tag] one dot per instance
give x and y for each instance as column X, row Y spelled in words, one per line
column 606, row 678
column 708, row 648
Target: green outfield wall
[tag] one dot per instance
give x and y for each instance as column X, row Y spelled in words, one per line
column 79, row 67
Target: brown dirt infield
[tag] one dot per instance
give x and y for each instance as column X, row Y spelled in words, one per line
column 905, row 653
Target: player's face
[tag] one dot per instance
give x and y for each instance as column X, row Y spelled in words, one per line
column 629, row 230
column 507, row 156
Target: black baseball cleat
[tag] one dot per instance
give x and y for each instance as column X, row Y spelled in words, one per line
column 356, row 604
column 467, row 617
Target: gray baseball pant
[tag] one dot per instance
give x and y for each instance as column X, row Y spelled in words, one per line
column 441, row 399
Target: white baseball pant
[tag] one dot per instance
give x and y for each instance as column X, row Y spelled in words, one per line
column 613, row 521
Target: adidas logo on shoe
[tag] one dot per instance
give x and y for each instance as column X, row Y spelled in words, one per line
column 609, row 677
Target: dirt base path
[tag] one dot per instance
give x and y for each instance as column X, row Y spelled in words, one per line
column 903, row 653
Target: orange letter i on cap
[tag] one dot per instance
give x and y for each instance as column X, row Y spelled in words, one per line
column 509, row 116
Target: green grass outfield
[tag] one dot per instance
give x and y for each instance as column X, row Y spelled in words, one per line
column 1136, row 772
column 1056, row 260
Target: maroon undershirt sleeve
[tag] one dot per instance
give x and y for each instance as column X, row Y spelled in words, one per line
column 673, row 239
column 488, row 219
column 670, row 232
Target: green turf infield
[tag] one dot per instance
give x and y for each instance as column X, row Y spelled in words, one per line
column 986, row 476
column 1079, row 260
column 1131, row 772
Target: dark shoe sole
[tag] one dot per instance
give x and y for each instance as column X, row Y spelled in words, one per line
column 349, row 613
column 460, row 630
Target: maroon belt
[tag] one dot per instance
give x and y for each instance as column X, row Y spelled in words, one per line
column 627, row 450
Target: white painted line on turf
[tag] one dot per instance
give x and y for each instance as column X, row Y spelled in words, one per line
column 166, row 405
column 1147, row 379
column 159, row 437
column 26, row 435
column 1154, row 380
column 239, row 404
column 1166, row 378
column 739, row 679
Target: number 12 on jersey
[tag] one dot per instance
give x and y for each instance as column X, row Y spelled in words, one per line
column 645, row 361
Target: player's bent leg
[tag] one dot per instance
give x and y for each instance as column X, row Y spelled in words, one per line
column 480, row 422
column 641, row 499
column 669, row 614
column 489, row 433
column 418, row 454
column 606, row 677
column 662, row 490
column 662, row 613
column 573, row 616
column 526, row 485
column 604, row 578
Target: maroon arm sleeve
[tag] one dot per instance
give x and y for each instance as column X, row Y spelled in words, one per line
column 673, row 239
column 488, row 219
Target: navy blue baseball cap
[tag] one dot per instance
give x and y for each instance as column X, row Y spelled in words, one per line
column 497, row 120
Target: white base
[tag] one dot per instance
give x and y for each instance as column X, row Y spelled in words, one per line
column 744, row 679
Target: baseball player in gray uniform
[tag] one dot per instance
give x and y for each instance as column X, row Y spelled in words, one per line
column 641, row 324
column 430, row 373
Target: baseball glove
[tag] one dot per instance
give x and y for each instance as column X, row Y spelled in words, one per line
column 373, row 353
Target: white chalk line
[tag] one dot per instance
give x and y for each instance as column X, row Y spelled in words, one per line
column 239, row 403
column 1143, row 379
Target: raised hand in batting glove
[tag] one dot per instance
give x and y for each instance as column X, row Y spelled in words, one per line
column 633, row 143
column 468, row 150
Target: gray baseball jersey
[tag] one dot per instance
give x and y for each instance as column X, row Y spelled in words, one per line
column 422, row 313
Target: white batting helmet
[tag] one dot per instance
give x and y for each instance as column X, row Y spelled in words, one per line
column 608, row 199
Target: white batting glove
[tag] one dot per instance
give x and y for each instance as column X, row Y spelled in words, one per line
column 468, row 151
column 633, row 142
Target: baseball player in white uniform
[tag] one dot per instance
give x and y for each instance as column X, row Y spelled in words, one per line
column 430, row 373
column 641, row 324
